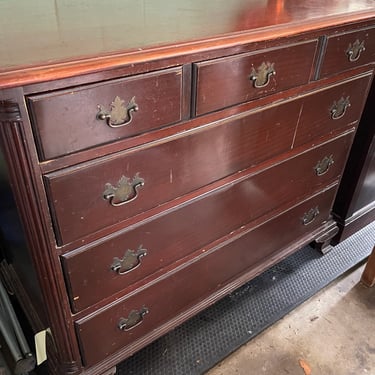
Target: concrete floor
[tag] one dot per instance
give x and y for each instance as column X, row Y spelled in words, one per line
column 333, row 333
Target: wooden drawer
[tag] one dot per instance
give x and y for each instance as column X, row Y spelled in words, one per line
column 332, row 109
column 68, row 121
column 232, row 80
column 170, row 237
column 168, row 170
column 346, row 51
column 180, row 291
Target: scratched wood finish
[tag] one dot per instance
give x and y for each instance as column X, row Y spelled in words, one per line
column 336, row 58
column 218, row 151
column 314, row 123
column 225, row 82
column 175, row 294
column 146, row 31
column 66, row 121
column 171, row 237
column 169, row 170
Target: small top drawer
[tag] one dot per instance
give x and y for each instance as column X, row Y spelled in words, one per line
column 68, row 121
column 346, row 51
column 338, row 107
column 232, row 80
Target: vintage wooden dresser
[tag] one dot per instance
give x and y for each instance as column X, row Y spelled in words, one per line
column 161, row 154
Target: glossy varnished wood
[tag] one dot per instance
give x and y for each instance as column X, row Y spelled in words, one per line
column 66, row 120
column 241, row 170
column 165, row 299
column 171, row 237
column 101, row 43
column 51, row 165
column 336, row 57
column 225, row 82
column 169, row 170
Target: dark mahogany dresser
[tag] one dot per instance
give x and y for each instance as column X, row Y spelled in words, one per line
column 157, row 155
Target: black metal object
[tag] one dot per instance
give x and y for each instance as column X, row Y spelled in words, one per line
column 206, row 339
column 13, row 335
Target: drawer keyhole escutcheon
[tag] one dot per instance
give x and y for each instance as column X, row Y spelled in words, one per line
column 354, row 50
column 125, row 192
column 134, row 319
column 339, row 108
column 310, row 216
column 129, row 262
column 323, row 165
column 261, row 76
column 119, row 114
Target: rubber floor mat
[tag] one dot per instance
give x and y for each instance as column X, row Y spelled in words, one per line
column 207, row 338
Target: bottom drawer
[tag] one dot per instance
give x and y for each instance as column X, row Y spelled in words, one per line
column 152, row 307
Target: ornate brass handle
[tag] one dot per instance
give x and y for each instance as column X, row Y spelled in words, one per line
column 134, row 319
column 309, row 216
column 119, row 114
column 130, row 261
column 339, row 108
column 125, row 192
column 323, row 165
column 354, row 50
column 261, row 76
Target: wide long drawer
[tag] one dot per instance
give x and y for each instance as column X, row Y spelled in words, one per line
column 137, row 253
column 67, row 121
column 134, row 317
column 90, row 197
column 232, row 80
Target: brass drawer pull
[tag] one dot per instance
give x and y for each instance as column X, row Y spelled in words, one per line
column 134, row 319
column 339, row 108
column 125, row 192
column 354, row 50
column 129, row 262
column 119, row 114
column 310, row 216
column 323, row 165
column 261, row 77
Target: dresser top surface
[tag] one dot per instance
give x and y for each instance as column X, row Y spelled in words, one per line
column 44, row 34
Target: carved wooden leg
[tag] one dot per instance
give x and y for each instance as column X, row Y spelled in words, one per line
column 368, row 276
column 323, row 242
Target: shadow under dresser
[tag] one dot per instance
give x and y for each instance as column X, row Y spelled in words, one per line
column 154, row 161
